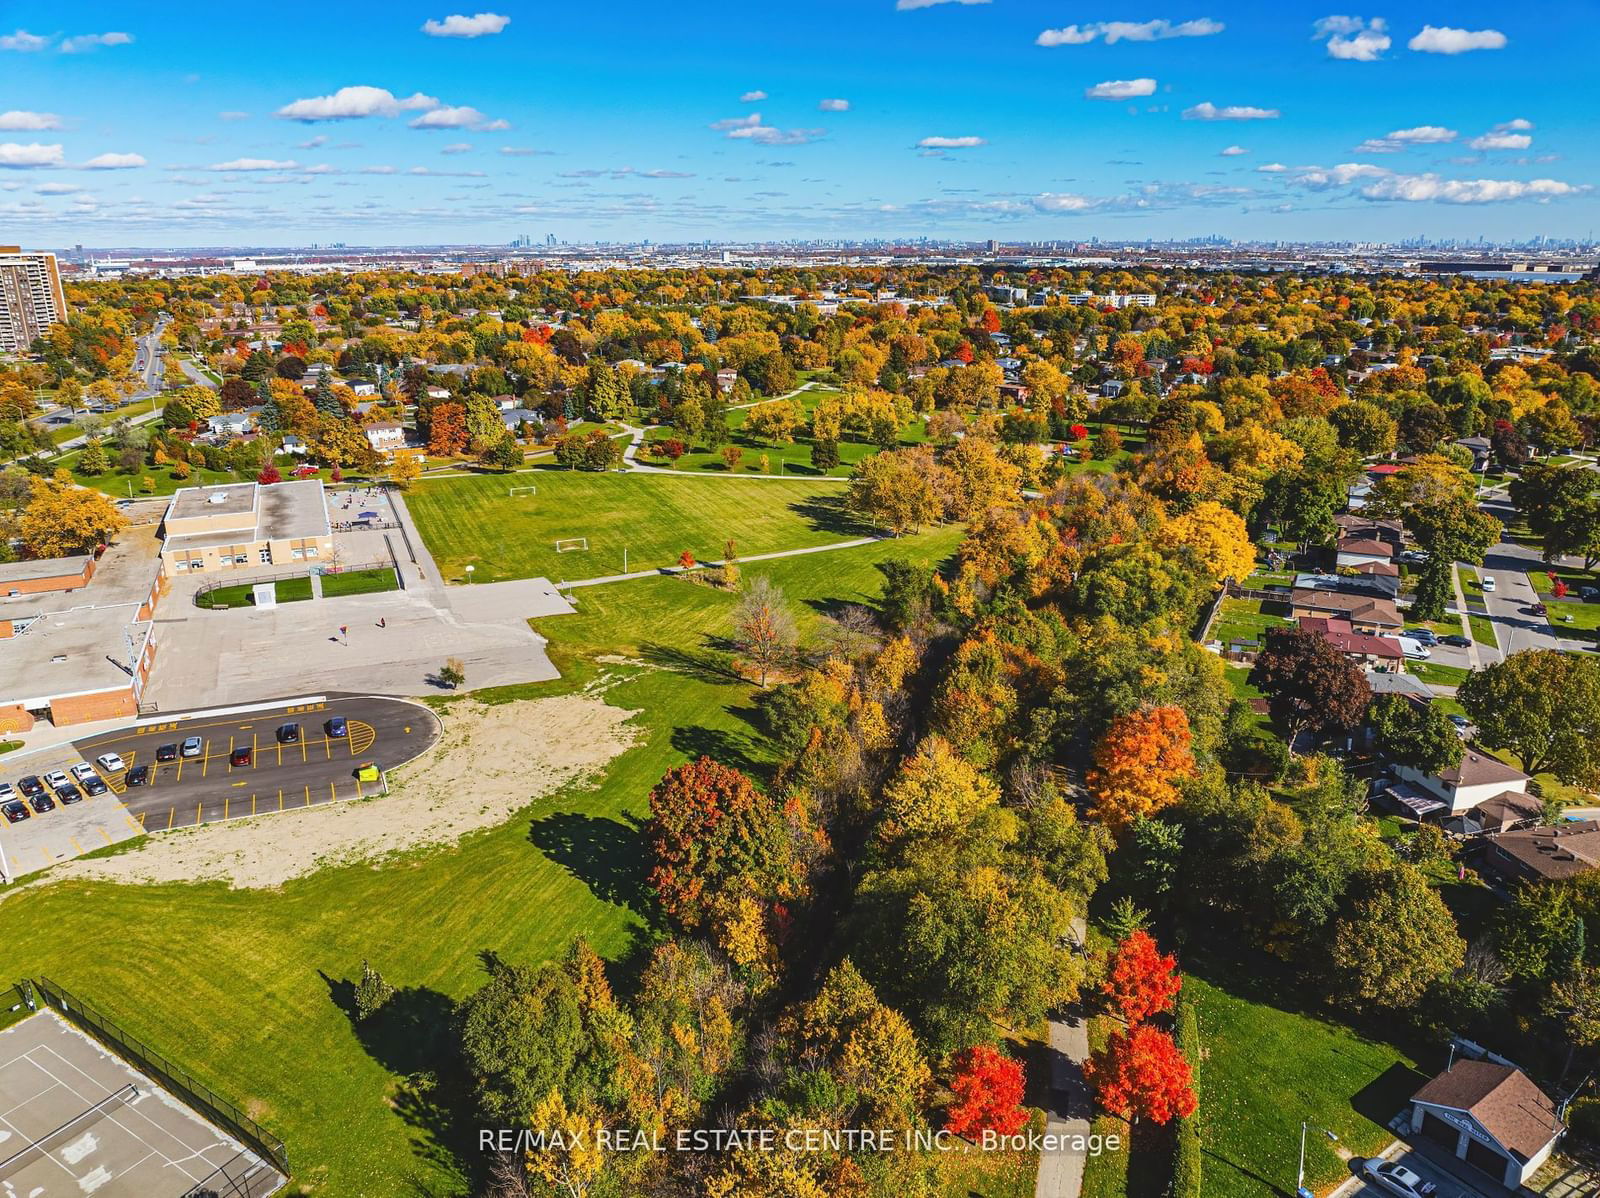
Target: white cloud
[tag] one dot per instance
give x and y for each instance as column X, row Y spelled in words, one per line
column 754, row 97
column 521, row 151
column 1353, row 39
column 1319, row 178
column 1401, row 139
column 460, row 26
column 1417, row 188
column 1120, row 89
column 767, row 135
column 1207, row 111
column 457, row 147
column 737, row 122
column 834, row 106
column 1442, row 39
column 1517, row 126
column 378, row 170
column 114, row 162
column 15, row 155
column 255, row 164
column 908, row 5
column 92, row 41
column 57, row 189
column 461, row 117
column 951, row 143
column 352, row 103
column 312, row 143
column 233, row 115
column 1272, row 168
column 23, row 41
column 1501, row 141
column 18, row 121
column 1232, row 151
column 1128, row 31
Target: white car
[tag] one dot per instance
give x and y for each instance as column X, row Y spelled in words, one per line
column 55, row 779
column 83, row 771
column 7, row 792
column 112, row 763
column 1397, row 1179
column 1414, row 649
column 1488, row 582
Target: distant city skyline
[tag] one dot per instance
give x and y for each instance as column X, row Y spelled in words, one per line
column 1012, row 120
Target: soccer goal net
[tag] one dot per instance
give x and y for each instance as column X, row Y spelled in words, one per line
column 569, row 544
column 513, row 492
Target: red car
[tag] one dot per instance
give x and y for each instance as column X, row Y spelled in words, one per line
column 239, row 757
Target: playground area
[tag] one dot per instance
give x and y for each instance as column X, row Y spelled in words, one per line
column 76, row 1119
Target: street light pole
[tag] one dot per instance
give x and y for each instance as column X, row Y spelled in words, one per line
column 1300, row 1177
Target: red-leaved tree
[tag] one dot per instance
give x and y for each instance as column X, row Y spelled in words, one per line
column 1141, row 982
column 268, row 476
column 1140, row 1074
column 988, row 1090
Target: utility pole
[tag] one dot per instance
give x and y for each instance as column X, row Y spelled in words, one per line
column 1300, row 1177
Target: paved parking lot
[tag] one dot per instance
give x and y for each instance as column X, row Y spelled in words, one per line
column 279, row 774
column 1450, row 1184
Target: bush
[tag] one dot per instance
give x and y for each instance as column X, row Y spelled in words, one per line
column 372, row 992
column 1186, row 1159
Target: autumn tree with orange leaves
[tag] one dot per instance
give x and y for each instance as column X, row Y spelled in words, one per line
column 1141, row 1074
column 988, row 1094
column 1141, row 982
column 1138, row 763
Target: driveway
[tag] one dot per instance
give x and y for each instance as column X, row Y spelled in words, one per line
column 1450, row 1185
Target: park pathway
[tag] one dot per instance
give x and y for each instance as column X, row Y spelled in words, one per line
column 1061, row 1169
column 754, row 557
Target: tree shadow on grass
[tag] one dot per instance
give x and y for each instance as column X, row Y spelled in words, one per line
column 706, row 665
column 727, row 748
column 413, row 1036
column 827, row 513
column 1387, row 1094
column 606, row 855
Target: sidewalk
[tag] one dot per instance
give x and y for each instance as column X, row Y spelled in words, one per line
column 1061, row 1170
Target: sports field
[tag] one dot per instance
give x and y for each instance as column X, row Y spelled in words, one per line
column 474, row 521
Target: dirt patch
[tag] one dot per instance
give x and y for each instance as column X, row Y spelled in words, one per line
column 490, row 762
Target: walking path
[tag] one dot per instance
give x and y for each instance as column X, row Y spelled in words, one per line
column 631, row 463
column 1061, row 1168
column 754, row 557
column 1466, row 624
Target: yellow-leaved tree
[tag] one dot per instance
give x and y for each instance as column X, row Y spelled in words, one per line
column 936, row 791
column 1219, row 538
column 1137, row 765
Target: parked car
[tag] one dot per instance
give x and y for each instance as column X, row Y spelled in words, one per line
column 55, row 780
column 69, row 793
column 337, row 727
column 289, row 734
column 191, row 747
column 1488, row 582
column 30, row 786
column 94, row 786
column 1538, row 609
column 1397, row 1179
column 139, row 775
column 240, row 756
column 1462, row 726
column 1589, row 594
column 1415, row 650
column 1425, row 636
column 1455, row 639
column 112, row 763
column 42, row 803
column 166, row 752
column 16, row 811
column 7, row 792
column 1414, row 557
column 83, row 771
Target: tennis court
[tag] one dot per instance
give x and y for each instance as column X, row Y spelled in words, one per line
column 76, row 1119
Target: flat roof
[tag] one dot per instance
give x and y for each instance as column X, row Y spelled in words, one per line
column 70, row 653
column 47, row 567
column 283, row 511
column 227, row 499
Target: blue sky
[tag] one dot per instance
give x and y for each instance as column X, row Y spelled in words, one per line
column 177, row 124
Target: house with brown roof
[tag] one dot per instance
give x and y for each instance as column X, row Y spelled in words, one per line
column 1547, row 854
column 1491, row 1116
column 1364, row 613
column 1359, row 551
column 1367, row 650
column 1477, row 779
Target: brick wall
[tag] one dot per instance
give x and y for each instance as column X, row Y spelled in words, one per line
column 15, row 718
column 48, row 583
column 81, row 709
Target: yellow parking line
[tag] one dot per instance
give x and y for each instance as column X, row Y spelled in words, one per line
column 76, row 845
column 224, row 806
column 308, row 794
column 198, row 815
column 205, row 759
column 280, row 798
column 140, row 828
column 303, row 756
column 106, row 834
column 171, row 812
column 332, row 793
column 358, row 787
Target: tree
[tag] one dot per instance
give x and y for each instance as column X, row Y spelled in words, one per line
column 988, row 1094
column 62, row 519
column 936, row 792
column 730, row 456
column 1140, row 1074
column 711, row 832
column 447, row 430
column 451, row 674
column 1219, row 538
column 1394, row 939
column 825, row 455
column 1365, row 428
column 406, row 468
column 372, row 993
column 1418, row 735
column 775, row 422
column 502, row 455
column 1451, row 530
column 1310, row 685
column 1139, row 980
column 521, row 1034
column 763, row 627
column 979, row 478
column 1562, row 507
column 236, row 393
column 268, row 476
column 570, row 1157
column 1544, row 706
column 1137, row 763
column 896, row 490
column 93, row 461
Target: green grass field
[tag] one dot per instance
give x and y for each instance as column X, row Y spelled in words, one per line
column 1248, row 619
column 1269, row 1062
column 241, row 986
column 1437, row 675
column 289, row 590
column 359, row 582
column 473, row 521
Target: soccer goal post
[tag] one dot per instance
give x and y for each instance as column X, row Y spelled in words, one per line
column 513, row 492
column 569, row 544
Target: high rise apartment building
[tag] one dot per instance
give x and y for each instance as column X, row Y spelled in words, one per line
column 31, row 299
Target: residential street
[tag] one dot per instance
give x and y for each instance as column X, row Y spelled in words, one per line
column 1508, row 563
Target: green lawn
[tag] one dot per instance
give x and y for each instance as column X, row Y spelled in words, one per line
column 1268, row 1063
column 1437, row 675
column 241, row 985
column 8, row 746
column 655, row 518
column 123, row 486
column 1247, row 619
column 289, row 590
column 359, row 582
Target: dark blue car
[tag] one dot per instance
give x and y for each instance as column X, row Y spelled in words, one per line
column 337, row 727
